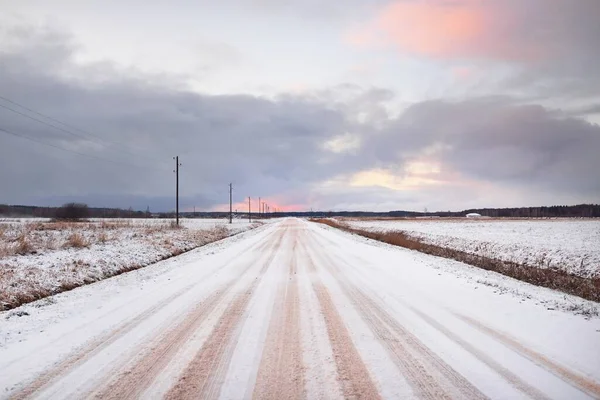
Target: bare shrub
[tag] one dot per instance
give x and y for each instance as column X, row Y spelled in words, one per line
column 72, row 212
column 24, row 246
column 102, row 237
column 76, row 240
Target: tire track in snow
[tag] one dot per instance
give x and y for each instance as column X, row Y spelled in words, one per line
column 429, row 375
column 99, row 344
column 510, row 377
column 281, row 371
column 576, row 380
column 203, row 376
column 134, row 381
column 353, row 375
column 320, row 374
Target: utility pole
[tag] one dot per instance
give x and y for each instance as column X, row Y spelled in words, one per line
column 230, row 204
column 177, row 165
column 249, row 210
column 259, row 213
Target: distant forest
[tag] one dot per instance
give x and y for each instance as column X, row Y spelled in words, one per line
column 577, row 211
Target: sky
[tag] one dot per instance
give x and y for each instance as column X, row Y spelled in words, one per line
column 370, row 105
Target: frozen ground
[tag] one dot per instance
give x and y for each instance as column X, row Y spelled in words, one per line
column 39, row 257
column 298, row 310
column 568, row 245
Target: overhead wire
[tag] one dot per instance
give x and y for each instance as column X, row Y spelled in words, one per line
column 97, row 138
column 69, row 150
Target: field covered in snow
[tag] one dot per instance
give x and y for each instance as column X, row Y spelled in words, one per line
column 40, row 257
column 571, row 246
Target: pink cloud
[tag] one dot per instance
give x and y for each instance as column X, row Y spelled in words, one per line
column 453, row 29
column 463, row 73
column 242, row 206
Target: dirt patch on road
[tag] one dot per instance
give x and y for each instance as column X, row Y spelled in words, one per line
column 131, row 384
column 429, row 376
column 203, row 377
column 354, row 377
column 281, row 371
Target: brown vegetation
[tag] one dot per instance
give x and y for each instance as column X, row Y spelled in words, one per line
column 587, row 288
column 21, row 283
column 76, row 240
column 23, row 246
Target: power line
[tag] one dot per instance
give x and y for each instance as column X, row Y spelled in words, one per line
column 42, row 122
column 48, row 117
column 69, row 150
column 97, row 138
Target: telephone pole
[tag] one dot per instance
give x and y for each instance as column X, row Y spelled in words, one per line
column 249, row 210
column 177, row 165
column 230, row 204
column 259, row 208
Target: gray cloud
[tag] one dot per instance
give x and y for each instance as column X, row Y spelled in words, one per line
column 494, row 140
column 557, row 40
column 267, row 147
column 251, row 141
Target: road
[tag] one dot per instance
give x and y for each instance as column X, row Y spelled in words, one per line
column 297, row 310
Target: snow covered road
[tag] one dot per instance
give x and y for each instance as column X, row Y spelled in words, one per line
column 297, row 310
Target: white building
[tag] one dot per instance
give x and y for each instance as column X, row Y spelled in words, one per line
column 473, row 215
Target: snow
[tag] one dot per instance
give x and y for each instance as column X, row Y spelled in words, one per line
column 111, row 246
column 569, row 245
column 504, row 338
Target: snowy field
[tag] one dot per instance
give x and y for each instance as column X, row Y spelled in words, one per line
column 569, row 245
column 39, row 257
column 295, row 310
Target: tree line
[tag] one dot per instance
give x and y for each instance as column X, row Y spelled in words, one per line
column 576, row 211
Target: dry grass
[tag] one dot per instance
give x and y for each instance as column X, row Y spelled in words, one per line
column 76, row 240
column 21, row 283
column 587, row 288
column 36, row 237
column 102, row 237
column 24, row 246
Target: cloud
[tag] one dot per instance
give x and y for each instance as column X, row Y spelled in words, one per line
column 549, row 45
column 496, row 140
column 335, row 148
column 264, row 146
column 504, row 30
